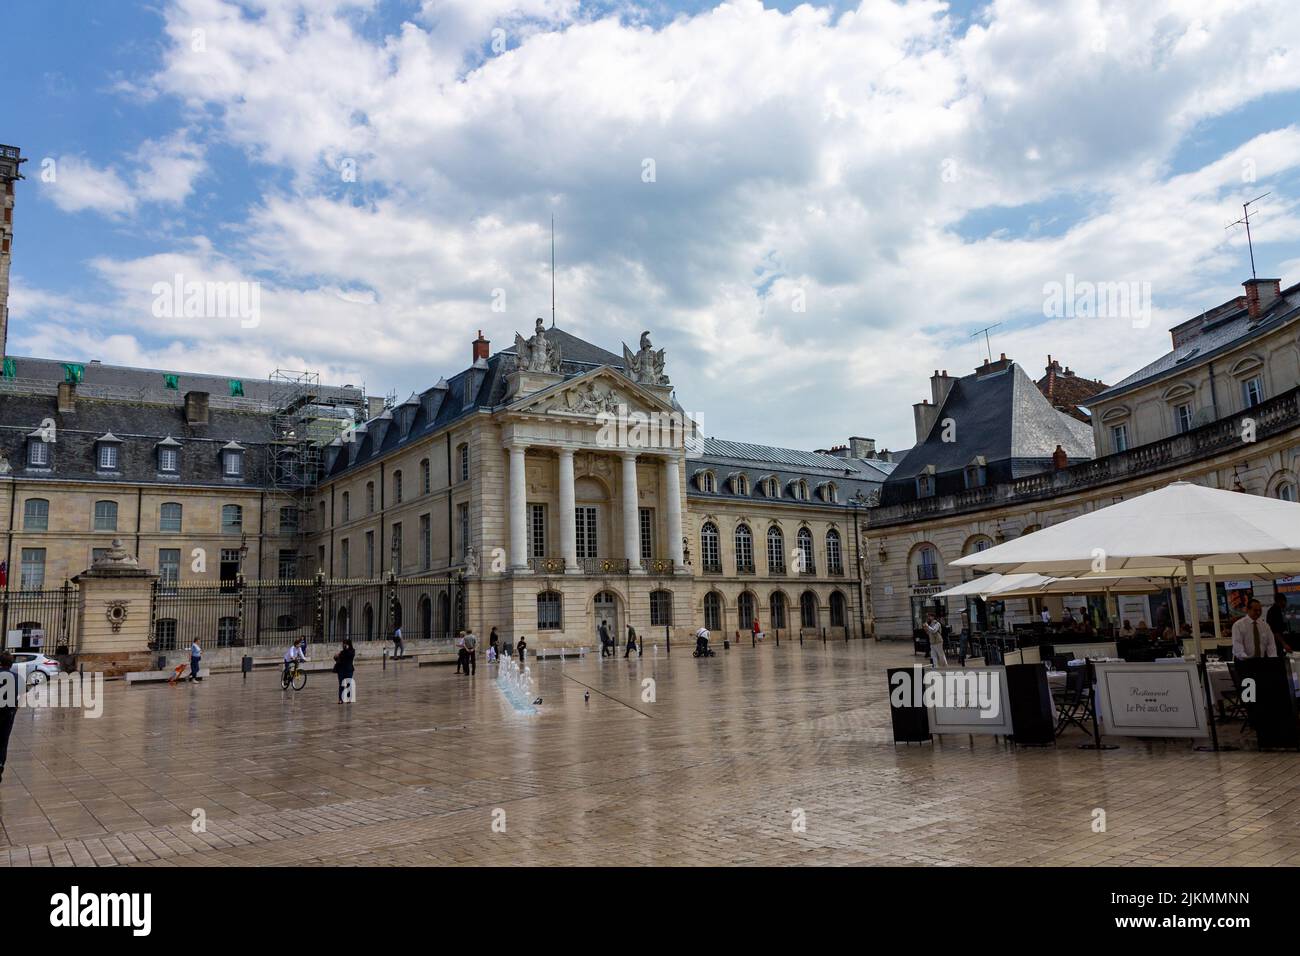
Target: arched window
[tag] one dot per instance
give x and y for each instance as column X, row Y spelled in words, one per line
column 713, row 611
column 1286, row 491
column 169, row 516
column 805, row 543
column 285, row 622
column 368, row 623
column 397, row 487
column 744, row 549
column 775, row 551
column 397, row 614
column 808, row 609
column 165, row 634
column 706, row 482
column 745, row 610
column 740, row 485
column 661, row 608
column 837, row 609
column 710, row 553
column 105, row 515
column 426, row 619
column 776, row 610
column 927, row 563
column 341, row 624
column 426, row 477
column 36, row 514
column 550, row 611
column 834, row 555
column 831, row 492
column 232, row 519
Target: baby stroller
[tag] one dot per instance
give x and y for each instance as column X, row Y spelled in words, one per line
column 702, row 647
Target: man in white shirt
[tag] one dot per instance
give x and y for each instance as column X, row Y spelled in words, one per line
column 196, row 656
column 1046, row 616
column 1251, row 636
column 934, row 633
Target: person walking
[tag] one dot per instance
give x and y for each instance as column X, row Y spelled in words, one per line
column 522, row 646
column 461, row 660
column 345, row 667
column 631, row 642
column 196, row 657
column 755, row 630
column 603, row 631
column 934, row 633
column 9, row 691
column 399, row 649
column 494, row 645
column 471, row 655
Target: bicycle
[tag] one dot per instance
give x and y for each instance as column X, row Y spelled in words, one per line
column 295, row 677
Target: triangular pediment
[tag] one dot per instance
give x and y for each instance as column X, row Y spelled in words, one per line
column 602, row 390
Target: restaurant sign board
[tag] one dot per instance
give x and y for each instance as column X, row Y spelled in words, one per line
column 1150, row 700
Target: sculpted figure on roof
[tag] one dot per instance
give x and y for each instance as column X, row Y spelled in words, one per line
column 538, row 354
column 646, row 367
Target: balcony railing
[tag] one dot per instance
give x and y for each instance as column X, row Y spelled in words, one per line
column 658, row 565
column 927, row 572
column 546, row 565
column 708, row 567
column 603, row 565
column 776, row 568
column 835, row 570
column 1272, row 417
column 745, row 569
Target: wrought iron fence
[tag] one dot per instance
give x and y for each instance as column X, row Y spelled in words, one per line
column 49, row 616
column 251, row 613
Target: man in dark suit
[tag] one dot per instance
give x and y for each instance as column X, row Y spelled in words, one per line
column 1277, row 623
column 9, row 691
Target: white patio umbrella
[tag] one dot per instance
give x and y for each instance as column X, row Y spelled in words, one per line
column 1181, row 529
column 989, row 584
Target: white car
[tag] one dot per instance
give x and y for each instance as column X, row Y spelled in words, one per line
column 34, row 667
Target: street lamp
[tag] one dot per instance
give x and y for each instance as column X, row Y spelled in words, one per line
column 858, row 502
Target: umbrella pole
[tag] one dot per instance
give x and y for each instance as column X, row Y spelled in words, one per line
column 1193, row 609
column 1173, row 606
column 1195, row 612
column 1214, row 607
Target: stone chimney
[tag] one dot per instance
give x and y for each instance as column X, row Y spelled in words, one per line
column 67, row 398
column 480, row 346
column 925, row 415
column 989, row 368
column 374, row 406
column 862, row 447
column 1060, row 459
column 196, row 408
column 1260, row 294
column 940, row 386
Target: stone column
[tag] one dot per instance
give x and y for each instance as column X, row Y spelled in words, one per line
column 631, row 514
column 518, row 509
column 672, row 481
column 568, row 520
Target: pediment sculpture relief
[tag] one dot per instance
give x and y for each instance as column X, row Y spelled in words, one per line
column 539, row 353
column 590, row 398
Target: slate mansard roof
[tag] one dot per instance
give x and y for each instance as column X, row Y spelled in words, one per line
column 756, row 462
column 999, row 416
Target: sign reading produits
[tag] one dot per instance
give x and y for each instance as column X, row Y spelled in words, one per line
column 1150, row 700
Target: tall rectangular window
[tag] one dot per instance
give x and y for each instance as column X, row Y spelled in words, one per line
column 426, row 542
column 426, row 479
column 396, row 546
column 169, row 516
column 287, row 567
column 38, row 453
column 586, row 532
column 1252, row 392
column 345, row 558
column 1119, row 438
column 646, row 521
column 288, row 520
column 370, row 554
column 464, row 462
column 169, row 566
column 33, row 569
column 1183, row 416
column 537, row 531
column 107, row 457
column 661, row 608
column 232, row 463
column 169, row 460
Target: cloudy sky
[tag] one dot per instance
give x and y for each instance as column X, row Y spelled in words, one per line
column 811, row 207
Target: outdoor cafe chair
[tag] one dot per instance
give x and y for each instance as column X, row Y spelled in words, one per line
column 1075, row 706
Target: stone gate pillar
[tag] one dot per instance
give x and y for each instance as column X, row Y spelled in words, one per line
column 113, row 614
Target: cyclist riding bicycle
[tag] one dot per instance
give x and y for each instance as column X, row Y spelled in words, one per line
column 702, row 642
column 291, row 656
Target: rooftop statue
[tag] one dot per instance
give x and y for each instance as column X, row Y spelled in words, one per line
column 538, row 354
column 646, row 367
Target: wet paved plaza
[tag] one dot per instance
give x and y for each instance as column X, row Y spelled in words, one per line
column 716, row 770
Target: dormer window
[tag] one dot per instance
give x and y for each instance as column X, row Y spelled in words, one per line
column 107, row 452
column 799, row 489
column 706, row 482
column 771, row 487
column 38, row 452
column 232, row 460
column 169, row 456
column 830, row 493
column 925, row 483
column 739, row 485
column 976, row 473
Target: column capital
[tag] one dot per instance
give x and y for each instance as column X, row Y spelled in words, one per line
column 513, row 443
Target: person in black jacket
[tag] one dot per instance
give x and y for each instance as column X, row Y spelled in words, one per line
column 344, row 667
column 8, row 705
column 1277, row 623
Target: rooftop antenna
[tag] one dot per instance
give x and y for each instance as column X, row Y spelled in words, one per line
column 985, row 332
column 552, row 270
column 1245, row 220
